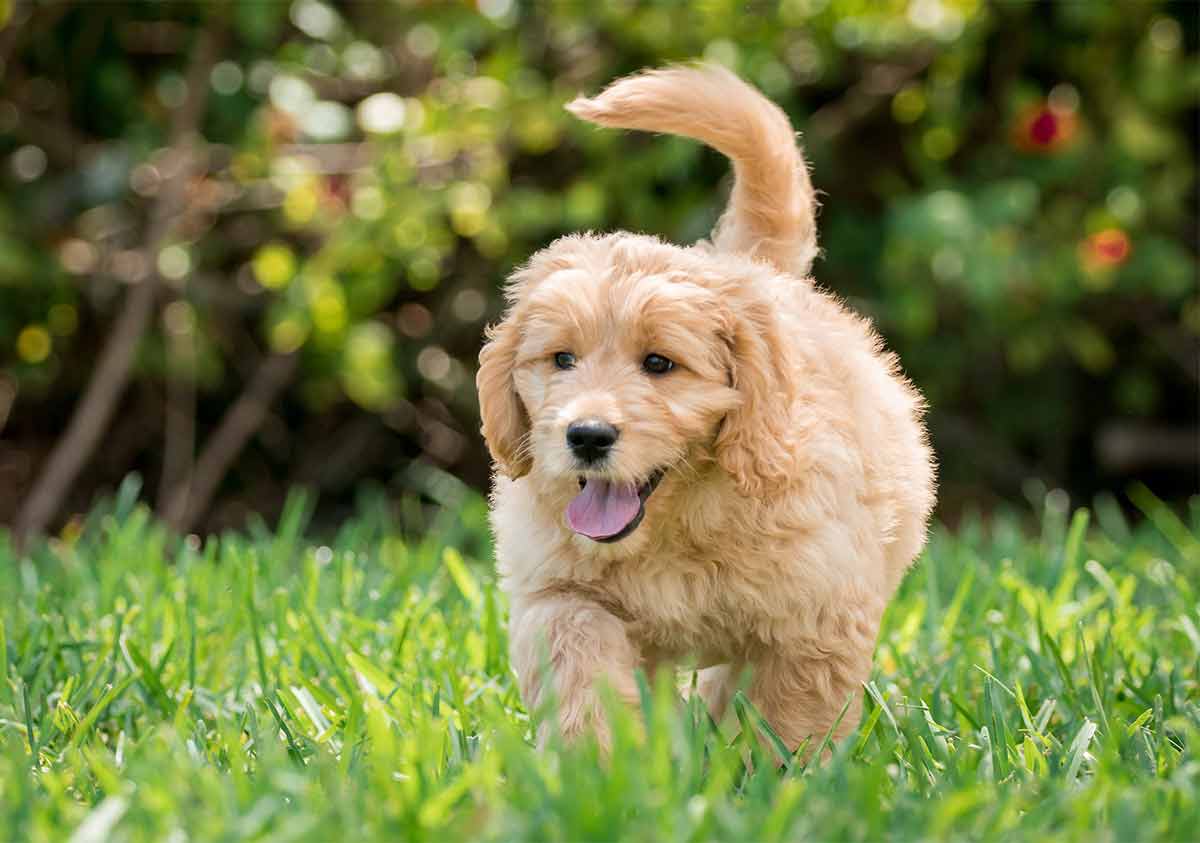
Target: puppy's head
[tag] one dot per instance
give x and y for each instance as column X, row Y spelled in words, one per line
column 625, row 367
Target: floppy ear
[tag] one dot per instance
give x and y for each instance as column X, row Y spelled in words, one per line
column 505, row 422
column 755, row 444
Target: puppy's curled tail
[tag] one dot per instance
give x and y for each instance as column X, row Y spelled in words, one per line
column 772, row 211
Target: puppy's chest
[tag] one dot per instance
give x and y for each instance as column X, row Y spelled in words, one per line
column 675, row 608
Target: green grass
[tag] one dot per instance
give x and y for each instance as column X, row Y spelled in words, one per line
column 265, row 686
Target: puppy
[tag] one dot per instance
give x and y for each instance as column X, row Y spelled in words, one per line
column 699, row 453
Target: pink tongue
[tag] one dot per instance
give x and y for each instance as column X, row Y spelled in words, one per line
column 603, row 509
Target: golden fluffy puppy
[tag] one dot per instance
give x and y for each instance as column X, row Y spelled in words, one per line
column 699, row 453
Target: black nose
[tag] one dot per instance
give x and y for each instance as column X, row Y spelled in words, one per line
column 591, row 439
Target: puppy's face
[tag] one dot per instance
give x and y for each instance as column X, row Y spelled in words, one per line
column 613, row 378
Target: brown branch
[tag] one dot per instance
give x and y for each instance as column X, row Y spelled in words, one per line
column 179, row 417
column 62, row 144
column 1173, row 341
column 347, row 157
column 1127, row 447
column 60, row 140
column 879, row 83
column 95, row 409
column 8, row 397
column 355, row 445
column 1003, row 466
column 8, row 34
column 241, row 422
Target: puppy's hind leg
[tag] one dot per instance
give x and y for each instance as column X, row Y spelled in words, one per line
column 803, row 694
column 715, row 686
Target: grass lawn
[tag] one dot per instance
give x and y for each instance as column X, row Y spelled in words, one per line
column 263, row 685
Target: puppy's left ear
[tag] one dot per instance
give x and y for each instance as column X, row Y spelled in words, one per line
column 755, row 444
column 505, row 422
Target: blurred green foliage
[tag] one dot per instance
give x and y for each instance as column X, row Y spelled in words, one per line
column 1009, row 191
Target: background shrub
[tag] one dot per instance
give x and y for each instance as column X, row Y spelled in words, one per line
column 295, row 218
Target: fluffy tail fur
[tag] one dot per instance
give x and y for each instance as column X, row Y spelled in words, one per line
column 772, row 211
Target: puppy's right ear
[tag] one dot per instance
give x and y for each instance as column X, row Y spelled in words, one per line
column 755, row 443
column 505, row 422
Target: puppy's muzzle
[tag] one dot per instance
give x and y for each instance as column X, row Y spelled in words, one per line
column 590, row 440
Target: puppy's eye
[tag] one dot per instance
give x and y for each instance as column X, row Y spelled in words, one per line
column 656, row 364
column 564, row 360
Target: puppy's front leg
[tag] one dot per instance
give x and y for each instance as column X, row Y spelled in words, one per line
column 582, row 644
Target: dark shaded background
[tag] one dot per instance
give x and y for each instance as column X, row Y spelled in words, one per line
column 247, row 246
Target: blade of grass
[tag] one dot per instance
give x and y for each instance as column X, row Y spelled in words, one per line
column 1077, row 752
column 89, row 719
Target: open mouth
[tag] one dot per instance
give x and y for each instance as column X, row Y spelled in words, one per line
column 608, row 512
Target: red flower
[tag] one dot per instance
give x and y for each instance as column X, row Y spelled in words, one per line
column 1105, row 249
column 1042, row 128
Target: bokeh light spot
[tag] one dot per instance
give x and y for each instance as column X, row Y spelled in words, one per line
column 226, row 78
column 469, row 305
column 382, row 113
column 363, row 61
column 287, row 334
column 909, row 103
column 1063, row 98
column 424, row 273
column 1124, row 203
column 34, row 344
column 300, row 203
column 179, row 318
column 495, row 9
column 78, row 257
column 469, row 202
column 433, row 363
column 938, row 143
column 326, row 121
column 774, row 78
column 422, row 40
column 314, row 19
column 410, row 233
column 414, row 320
column 368, row 372
column 174, row 263
column 805, row 59
column 722, row 51
column 949, row 209
column 848, row 32
column 367, row 203
column 328, row 306
column 291, row 94
column 274, row 265
column 28, row 163
column 537, row 133
column 491, row 241
column 1166, row 34
column 171, row 90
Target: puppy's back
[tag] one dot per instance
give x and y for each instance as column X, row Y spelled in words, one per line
column 772, row 210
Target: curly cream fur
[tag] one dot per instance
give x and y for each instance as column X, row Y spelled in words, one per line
column 799, row 480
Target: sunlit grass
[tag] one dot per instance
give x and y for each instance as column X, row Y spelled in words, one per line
column 266, row 686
